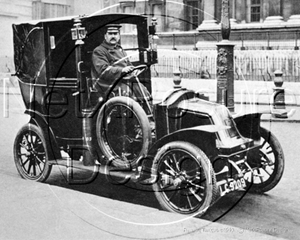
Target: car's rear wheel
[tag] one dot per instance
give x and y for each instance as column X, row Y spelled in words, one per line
column 186, row 181
column 268, row 174
column 30, row 154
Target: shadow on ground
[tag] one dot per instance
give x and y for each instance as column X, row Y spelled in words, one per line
column 102, row 186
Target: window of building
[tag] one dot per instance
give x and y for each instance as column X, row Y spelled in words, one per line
column 127, row 6
column 129, row 40
column 42, row 10
column 194, row 14
column 158, row 10
column 255, row 10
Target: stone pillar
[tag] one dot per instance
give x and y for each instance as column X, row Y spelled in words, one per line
column 208, row 15
column 240, row 6
column 225, row 62
column 209, row 10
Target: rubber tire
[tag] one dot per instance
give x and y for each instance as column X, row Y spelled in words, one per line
column 42, row 177
column 279, row 164
column 212, row 193
column 145, row 127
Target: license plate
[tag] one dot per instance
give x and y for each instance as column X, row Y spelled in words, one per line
column 232, row 185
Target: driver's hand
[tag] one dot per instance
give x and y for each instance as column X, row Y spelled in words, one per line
column 127, row 69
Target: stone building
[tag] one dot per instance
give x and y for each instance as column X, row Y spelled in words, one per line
column 195, row 23
column 185, row 23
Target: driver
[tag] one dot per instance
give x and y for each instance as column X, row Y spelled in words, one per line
column 110, row 63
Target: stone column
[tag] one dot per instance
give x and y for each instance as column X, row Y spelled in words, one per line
column 225, row 62
column 208, row 14
column 240, row 6
column 209, row 10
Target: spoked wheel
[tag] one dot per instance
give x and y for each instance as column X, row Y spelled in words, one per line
column 123, row 131
column 30, row 154
column 268, row 174
column 186, row 181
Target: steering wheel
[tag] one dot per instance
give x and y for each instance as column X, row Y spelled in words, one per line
column 136, row 71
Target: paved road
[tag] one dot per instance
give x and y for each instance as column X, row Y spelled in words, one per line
column 100, row 210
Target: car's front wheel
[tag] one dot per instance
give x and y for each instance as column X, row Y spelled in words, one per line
column 186, row 181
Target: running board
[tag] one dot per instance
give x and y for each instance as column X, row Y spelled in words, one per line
column 135, row 175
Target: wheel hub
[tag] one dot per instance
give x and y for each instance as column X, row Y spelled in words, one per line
column 179, row 180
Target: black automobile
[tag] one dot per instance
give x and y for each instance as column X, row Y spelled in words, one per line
column 189, row 150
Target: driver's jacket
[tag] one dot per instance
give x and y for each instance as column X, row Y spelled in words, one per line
column 108, row 62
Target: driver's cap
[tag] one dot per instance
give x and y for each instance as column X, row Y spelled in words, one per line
column 113, row 27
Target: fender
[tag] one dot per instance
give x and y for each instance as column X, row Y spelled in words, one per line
column 39, row 120
column 248, row 125
column 203, row 137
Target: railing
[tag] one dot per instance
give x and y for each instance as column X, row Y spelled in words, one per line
column 249, row 65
